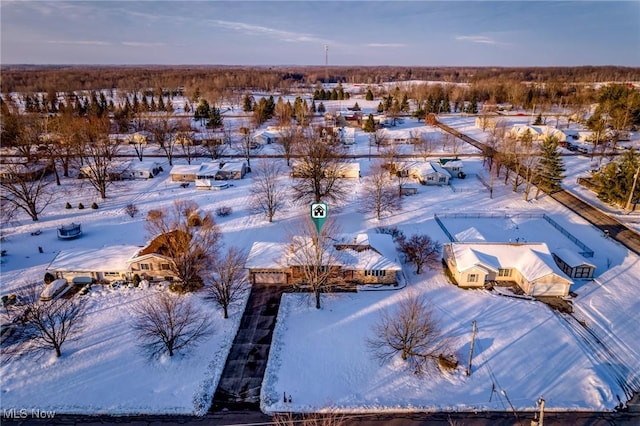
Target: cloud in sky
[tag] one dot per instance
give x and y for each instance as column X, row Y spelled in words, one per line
column 357, row 32
column 476, row 39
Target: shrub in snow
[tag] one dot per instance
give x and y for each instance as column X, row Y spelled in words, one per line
column 224, row 211
column 67, row 206
column 94, row 205
column 131, row 210
column 80, row 206
column 136, row 280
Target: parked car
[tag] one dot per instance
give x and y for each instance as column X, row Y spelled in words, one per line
column 54, row 290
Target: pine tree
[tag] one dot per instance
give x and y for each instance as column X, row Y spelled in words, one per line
column 321, row 108
column 369, row 95
column 550, row 168
column 314, row 109
column 356, row 107
column 215, row 119
column 370, row 124
column 380, row 107
column 161, row 106
column 247, row 103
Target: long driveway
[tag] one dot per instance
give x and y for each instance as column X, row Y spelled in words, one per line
column 241, row 380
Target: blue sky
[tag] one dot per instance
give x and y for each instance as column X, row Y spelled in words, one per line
column 415, row 33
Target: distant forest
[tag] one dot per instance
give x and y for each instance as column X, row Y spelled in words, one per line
column 215, row 79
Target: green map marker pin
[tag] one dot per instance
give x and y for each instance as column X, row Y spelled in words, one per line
column 319, row 212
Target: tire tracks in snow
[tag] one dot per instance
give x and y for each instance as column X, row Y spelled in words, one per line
column 601, row 354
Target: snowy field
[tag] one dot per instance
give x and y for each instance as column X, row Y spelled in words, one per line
column 523, row 349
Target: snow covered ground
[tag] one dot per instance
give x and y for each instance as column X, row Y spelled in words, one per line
column 523, row 349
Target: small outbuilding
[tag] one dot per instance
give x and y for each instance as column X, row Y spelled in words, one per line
column 574, row 265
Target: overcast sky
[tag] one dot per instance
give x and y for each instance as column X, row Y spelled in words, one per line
column 504, row 33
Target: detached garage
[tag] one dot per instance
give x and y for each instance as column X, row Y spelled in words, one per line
column 574, row 265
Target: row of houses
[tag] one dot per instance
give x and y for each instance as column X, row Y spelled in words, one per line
column 127, row 170
column 363, row 259
column 366, row 258
column 220, row 170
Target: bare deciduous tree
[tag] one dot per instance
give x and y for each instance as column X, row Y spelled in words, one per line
column 228, row 279
column 318, row 171
column 381, row 196
column 163, row 132
column 23, row 192
column 410, row 331
column 168, row 323
column 43, row 326
column 420, row 250
column 288, row 138
column 314, row 259
column 190, row 240
column 97, row 156
column 267, row 193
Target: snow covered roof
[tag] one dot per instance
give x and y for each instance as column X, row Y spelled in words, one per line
column 107, row 259
column 367, row 260
column 185, row 169
column 266, row 255
column 470, row 235
column 533, row 260
column 571, row 258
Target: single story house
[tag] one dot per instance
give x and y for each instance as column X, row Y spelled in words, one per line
column 216, row 170
column 184, row 172
column 453, row 165
column 398, row 136
column 27, row 172
column 363, row 259
column 572, row 264
column 537, row 132
column 529, row 265
column 429, row 173
column 141, row 169
column 106, row 264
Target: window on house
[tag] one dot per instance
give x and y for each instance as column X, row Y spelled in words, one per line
column 145, row 267
column 375, row 273
column 164, row 267
column 111, row 274
column 472, row 278
column 582, row 272
column 504, row 272
column 442, row 180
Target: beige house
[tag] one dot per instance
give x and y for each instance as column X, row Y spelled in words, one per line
column 529, row 265
column 151, row 262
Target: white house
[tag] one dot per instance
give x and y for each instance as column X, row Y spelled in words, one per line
column 348, row 135
column 530, row 265
column 429, row 173
column 101, row 265
column 453, row 165
column 136, row 169
column 537, row 132
column 212, row 170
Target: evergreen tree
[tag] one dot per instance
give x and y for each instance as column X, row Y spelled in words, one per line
column 321, row 108
column 615, row 181
column 404, row 104
column 136, row 103
column 247, row 103
column 203, row 110
column 314, row 109
column 369, row 95
column 145, row 104
column 215, row 119
column 550, row 168
column 380, row 107
column 187, row 107
column 538, row 120
column 356, row 107
column 161, row 105
column 152, row 105
column 370, row 124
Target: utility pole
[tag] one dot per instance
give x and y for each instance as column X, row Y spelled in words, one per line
column 541, row 420
column 633, row 188
column 473, row 341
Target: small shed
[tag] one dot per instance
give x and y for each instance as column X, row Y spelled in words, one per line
column 574, row 265
column 408, row 189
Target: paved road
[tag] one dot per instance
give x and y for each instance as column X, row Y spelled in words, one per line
column 241, row 380
column 246, row 418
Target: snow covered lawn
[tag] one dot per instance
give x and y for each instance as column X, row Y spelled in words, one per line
column 106, row 372
column 522, row 351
